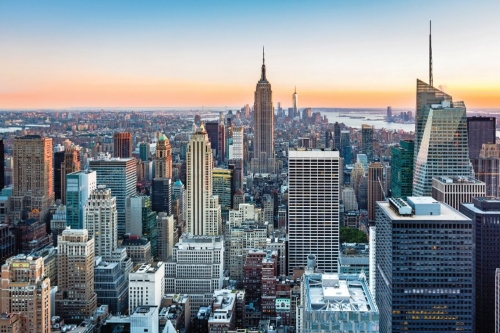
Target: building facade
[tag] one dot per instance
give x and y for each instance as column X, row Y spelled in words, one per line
column 79, row 185
column 402, row 169
column 163, row 158
column 375, row 187
column 146, row 284
column 456, row 190
column 122, row 145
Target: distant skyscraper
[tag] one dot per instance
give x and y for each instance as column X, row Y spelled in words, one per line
column 202, row 208
column 119, row 175
column 236, row 149
column 488, row 169
column 161, row 195
column 295, row 98
column 100, row 219
column 144, row 151
column 424, row 267
column 485, row 214
column 263, row 146
column 58, row 157
column 2, row 166
column 141, row 220
column 402, row 169
column 313, row 211
column 375, row 176
column 79, row 185
column 443, row 149
column 33, row 178
column 389, row 114
column 163, row 158
column 336, row 136
column 75, row 297
column 70, row 164
column 346, row 149
column 480, row 130
column 221, row 187
column 122, row 146
column 25, row 290
column 367, row 141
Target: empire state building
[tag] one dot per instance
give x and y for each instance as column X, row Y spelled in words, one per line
column 263, row 147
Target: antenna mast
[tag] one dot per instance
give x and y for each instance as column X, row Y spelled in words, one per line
column 430, row 55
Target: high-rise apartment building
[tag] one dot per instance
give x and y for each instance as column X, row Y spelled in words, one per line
column 375, row 190
column 75, row 297
column 487, row 168
column 485, row 214
column 480, row 130
column 146, row 285
column 122, row 144
column 402, row 169
column 456, row 190
column 79, row 185
column 163, row 158
column 367, row 141
column 100, row 218
column 71, row 163
column 424, row 267
column 202, row 208
column 119, row 175
column 263, row 146
column 25, row 290
column 313, row 207
column 442, row 149
column 33, row 178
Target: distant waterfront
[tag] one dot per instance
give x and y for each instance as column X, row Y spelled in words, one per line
column 370, row 117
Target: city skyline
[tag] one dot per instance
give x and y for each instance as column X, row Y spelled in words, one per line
column 160, row 54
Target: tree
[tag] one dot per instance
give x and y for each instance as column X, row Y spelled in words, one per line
column 352, row 235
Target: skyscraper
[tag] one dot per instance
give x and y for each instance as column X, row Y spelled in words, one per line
column 122, row 144
column 2, row 166
column 455, row 190
column 79, row 185
column 442, row 149
column 119, row 175
column 480, row 130
column 488, row 169
column 201, row 205
column 313, row 207
column 163, row 158
column 144, row 151
column 367, row 141
column 25, row 289
column 295, row 98
column 71, row 163
column 375, row 191
column 75, row 297
column 336, row 136
column 345, row 149
column 402, row 169
column 485, row 214
column 100, row 219
column 263, row 146
column 161, row 195
column 424, row 267
column 33, row 178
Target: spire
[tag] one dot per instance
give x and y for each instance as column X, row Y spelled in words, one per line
column 295, row 89
column 430, row 55
column 263, row 75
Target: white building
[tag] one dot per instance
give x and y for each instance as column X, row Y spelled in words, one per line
column 202, row 208
column 196, row 268
column 144, row 319
column 313, row 207
column 349, row 199
column 100, row 219
column 133, row 215
column 454, row 190
column 146, row 285
column 166, row 235
column 236, row 149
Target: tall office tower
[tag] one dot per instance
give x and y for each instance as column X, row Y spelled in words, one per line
column 2, row 166
column 70, row 164
column 216, row 135
column 141, row 220
column 111, row 285
column 179, row 193
column 33, row 178
column 485, row 213
column 163, row 158
column 443, row 147
column 375, row 190
column 100, row 219
column 236, row 166
column 345, row 149
column 58, row 157
column 161, row 195
column 329, row 143
column 389, row 114
column 313, row 207
column 455, row 190
column 167, row 238
column 295, row 98
column 480, row 130
column 25, row 290
column 75, row 297
column 144, row 151
column 425, row 267
column 402, row 169
column 221, row 187
column 201, row 205
column 336, row 136
column 367, row 141
column 196, row 268
column 236, row 149
column 79, row 185
column 122, row 144
column 119, row 175
column 488, row 169
column 357, row 175
column 263, row 152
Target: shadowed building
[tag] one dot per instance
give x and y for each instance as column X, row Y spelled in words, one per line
column 122, row 144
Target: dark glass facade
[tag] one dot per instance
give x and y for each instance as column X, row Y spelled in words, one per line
column 402, row 169
column 161, row 195
column 480, row 130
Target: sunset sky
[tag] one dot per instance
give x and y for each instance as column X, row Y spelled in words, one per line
column 57, row 54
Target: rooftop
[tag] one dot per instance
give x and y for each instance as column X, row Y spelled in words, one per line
column 148, row 268
column 446, row 212
column 457, row 180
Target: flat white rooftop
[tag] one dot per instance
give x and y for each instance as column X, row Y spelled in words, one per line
column 447, row 213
